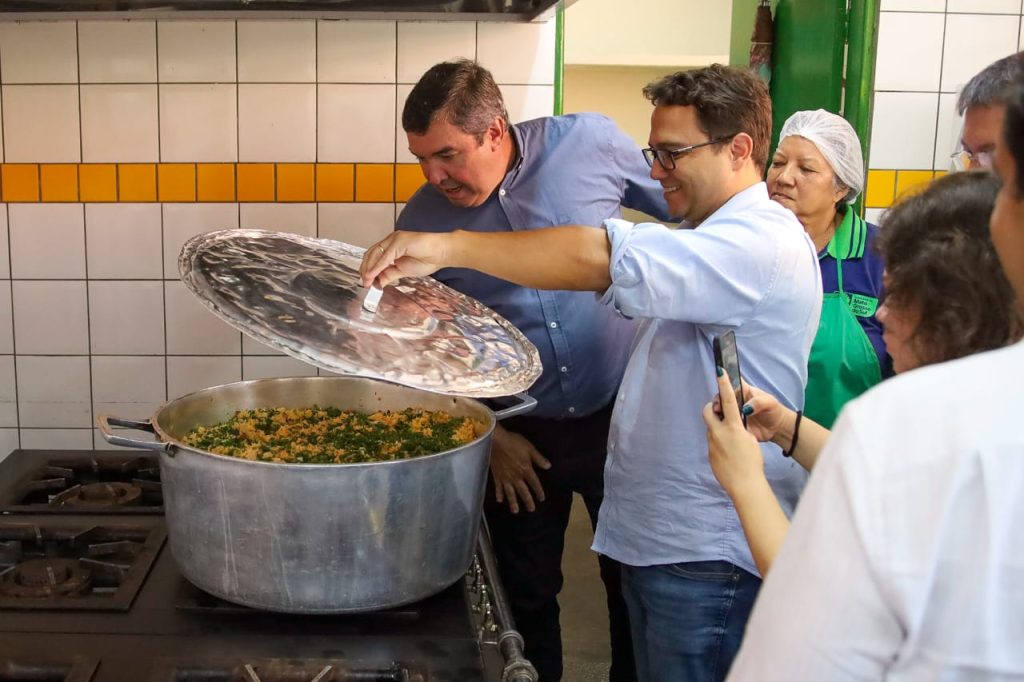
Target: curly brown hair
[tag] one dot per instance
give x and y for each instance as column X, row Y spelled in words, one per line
column 940, row 262
column 728, row 101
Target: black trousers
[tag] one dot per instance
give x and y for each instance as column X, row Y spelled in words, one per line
column 529, row 545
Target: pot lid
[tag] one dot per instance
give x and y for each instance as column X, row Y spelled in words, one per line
column 302, row 296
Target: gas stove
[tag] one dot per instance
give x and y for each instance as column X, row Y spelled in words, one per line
column 89, row 592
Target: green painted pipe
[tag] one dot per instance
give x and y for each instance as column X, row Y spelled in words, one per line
column 560, row 58
column 860, row 74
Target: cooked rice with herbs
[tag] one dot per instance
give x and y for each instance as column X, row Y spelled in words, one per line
column 327, row 435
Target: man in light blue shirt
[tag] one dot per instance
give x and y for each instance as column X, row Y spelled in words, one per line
column 485, row 175
column 739, row 262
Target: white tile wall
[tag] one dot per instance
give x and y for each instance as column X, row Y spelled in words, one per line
column 277, row 122
column 6, row 318
column 909, row 53
column 119, row 123
column 184, row 221
column 928, row 49
column 128, row 386
column 117, row 51
column 194, row 330
column 359, row 224
column 8, row 393
column 54, row 392
column 497, row 42
column 984, row 6
column 199, row 122
column 123, row 241
column 41, row 123
column 356, row 51
column 47, row 241
column 974, row 41
column 5, row 260
column 277, row 51
column 356, row 123
column 421, row 45
column 196, row 51
column 94, row 318
column 271, row 367
column 38, row 52
column 402, row 154
column 50, row 317
column 295, row 218
column 127, row 318
column 188, row 374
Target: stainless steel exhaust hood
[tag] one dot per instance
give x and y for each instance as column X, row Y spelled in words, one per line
column 430, row 10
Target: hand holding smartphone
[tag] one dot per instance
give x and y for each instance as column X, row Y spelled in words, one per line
column 728, row 358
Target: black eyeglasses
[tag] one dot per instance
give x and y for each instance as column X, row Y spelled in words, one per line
column 667, row 157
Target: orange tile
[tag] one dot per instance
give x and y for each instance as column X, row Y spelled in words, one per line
column 255, row 182
column 97, row 182
column 335, row 182
column 295, row 182
column 59, row 181
column 881, row 189
column 408, row 179
column 20, row 181
column 216, row 181
column 177, row 181
column 375, row 182
column 137, row 181
column 910, row 182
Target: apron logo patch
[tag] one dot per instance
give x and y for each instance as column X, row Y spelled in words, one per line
column 862, row 306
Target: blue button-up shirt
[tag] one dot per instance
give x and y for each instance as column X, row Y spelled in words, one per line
column 749, row 267
column 570, row 170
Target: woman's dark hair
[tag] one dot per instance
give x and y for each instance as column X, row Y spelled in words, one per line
column 728, row 101
column 460, row 92
column 1013, row 130
column 940, row 262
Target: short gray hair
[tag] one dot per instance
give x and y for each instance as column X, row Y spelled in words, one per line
column 989, row 85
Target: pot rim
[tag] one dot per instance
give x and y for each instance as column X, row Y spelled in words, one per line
column 182, row 447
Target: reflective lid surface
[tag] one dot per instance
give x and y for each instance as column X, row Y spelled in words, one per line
column 302, row 296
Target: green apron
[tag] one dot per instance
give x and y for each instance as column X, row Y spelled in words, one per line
column 843, row 363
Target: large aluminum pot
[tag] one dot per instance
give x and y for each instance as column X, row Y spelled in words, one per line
column 317, row 538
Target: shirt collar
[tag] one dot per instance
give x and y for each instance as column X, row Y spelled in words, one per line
column 753, row 195
column 850, row 237
column 521, row 149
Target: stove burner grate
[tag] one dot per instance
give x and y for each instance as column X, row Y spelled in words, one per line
column 286, row 670
column 104, row 494
column 56, row 565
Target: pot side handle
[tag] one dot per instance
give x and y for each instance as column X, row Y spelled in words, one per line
column 105, row 422
column 526, row 404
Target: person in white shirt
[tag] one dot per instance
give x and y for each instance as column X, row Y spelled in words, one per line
column 739, row 262
column 905, row 559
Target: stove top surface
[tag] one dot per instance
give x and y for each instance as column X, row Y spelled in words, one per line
column 80, row 481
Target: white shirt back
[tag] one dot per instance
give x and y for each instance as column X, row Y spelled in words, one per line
column 905, row 560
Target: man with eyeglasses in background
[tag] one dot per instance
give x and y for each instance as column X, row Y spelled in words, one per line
column 739, row 262
column 982, row 103
column 487, row 175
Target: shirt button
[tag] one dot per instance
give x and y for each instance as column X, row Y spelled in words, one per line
column 564, row 369
column 554, row 325
column 572, row 410
column 501, row 192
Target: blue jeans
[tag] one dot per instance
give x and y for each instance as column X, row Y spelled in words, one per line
column 687, row 619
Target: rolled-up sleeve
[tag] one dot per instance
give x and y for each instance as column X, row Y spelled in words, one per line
column 704, row 276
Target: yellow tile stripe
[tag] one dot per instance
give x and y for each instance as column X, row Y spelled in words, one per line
column 208, row 182
column 886, row 187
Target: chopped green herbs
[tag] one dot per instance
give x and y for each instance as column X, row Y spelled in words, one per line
column 327, row 435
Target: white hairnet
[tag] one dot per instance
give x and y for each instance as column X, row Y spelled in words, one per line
column 837, row 141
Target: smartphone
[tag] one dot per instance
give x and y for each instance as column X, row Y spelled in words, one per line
column 727, row 356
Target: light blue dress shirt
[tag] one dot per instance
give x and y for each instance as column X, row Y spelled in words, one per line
column 750, row 268
column 574, row 169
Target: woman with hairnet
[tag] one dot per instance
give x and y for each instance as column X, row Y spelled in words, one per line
column 817, row 172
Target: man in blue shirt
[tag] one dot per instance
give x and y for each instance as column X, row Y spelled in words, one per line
column 488, row 176
column 739, row 262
